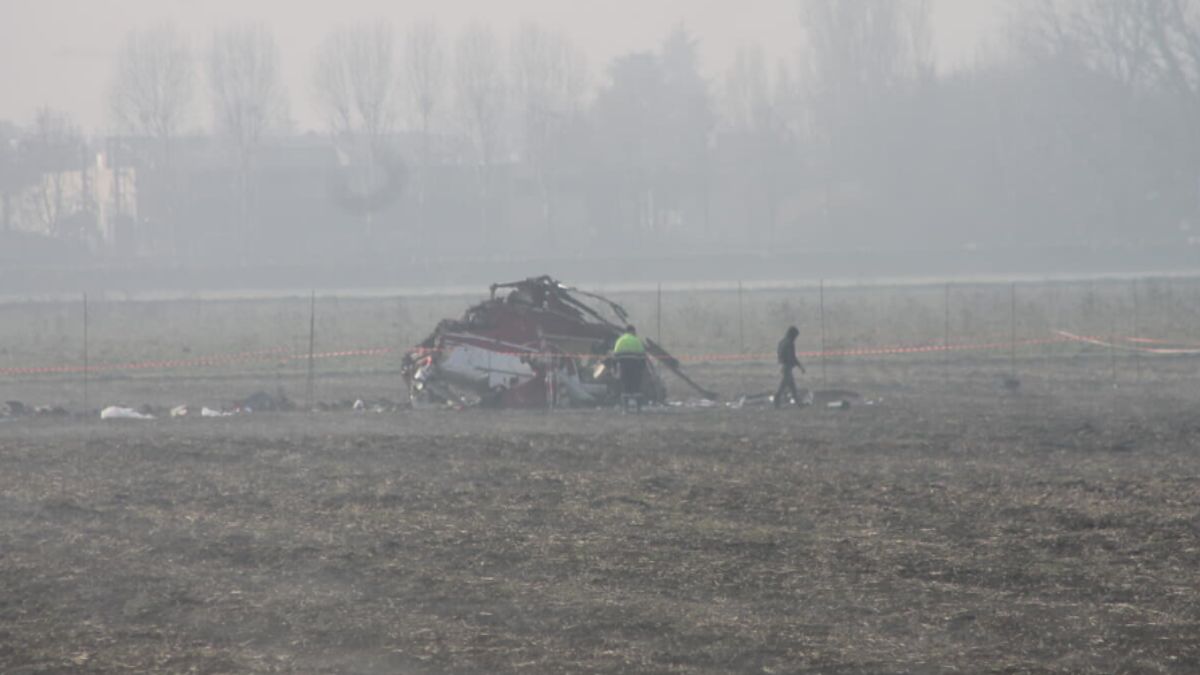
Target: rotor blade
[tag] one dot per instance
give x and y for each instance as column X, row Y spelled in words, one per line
column 672, row 364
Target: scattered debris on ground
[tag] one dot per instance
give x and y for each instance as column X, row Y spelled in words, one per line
column 380, row 405
column 116, row 412
column 209, row 412
column 13, row 409
column 834, row 399
column 839, row 399
column 262, row 401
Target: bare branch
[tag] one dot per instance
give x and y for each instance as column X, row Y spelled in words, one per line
column 855, row 48
column 1176, row 37
column 331, row 83
column 356, row 80
column 375, row 77
column 426, row 67
column 247, row 89
column 548, row 80
column 152, row 90
column 480, row 86
column 54, row 146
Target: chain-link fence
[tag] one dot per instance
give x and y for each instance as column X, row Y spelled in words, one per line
column 330, row 349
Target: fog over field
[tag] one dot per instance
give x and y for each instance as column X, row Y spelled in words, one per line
column 251, row 145
column 545, row 336
column 70, row 43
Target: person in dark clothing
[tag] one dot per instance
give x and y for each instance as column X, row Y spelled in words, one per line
column 788, row 362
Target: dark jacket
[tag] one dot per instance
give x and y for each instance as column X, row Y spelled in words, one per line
column 787, row 352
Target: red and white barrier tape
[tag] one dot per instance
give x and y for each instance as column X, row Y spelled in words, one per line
column 1179, row 350
column 278, row 354
column 284, row 355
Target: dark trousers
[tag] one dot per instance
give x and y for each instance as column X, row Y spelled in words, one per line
column 631, row 368
column 786, row 384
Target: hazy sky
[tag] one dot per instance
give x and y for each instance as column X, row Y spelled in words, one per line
column 60, row 52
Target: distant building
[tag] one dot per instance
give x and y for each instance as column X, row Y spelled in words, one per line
column 84, row 204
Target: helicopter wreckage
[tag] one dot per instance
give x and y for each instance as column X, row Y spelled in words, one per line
column 533, row 344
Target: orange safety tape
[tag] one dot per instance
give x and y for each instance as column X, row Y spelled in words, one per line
column 207, row 361
column 1107, row 344
column 1173, row 344
column 285, row 355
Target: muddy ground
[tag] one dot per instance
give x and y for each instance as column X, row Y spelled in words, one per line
column 950, row 527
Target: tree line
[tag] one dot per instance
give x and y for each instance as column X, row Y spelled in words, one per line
column 1078, row 128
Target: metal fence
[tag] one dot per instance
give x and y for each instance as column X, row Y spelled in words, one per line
column 331, row 348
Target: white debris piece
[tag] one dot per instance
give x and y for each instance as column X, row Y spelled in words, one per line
column 209, row 412
column 114, row 412
column 179, row 411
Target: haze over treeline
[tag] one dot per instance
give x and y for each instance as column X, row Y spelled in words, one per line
column 1077, row 127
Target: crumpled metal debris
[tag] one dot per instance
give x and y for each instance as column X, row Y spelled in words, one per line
column 533, row 344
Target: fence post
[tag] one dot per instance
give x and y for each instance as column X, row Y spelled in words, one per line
column 86, row 365
column 824, row 367
column 1137, row 332
column 312, row 341
column 401, row 348
column 658, row 315
column 741, row 323
column 1112, row 342
column 1013, row 324
column 946, row 336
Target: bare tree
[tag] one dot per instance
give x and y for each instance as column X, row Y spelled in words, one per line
column 1136, row 43
column 375, row 77
column 248, row 99
column 356, row 81
column 857, row 54
column 152, row 91
column 1175, row 28
column 426, row 67
column 761, row 114
column 1119, row 34
column 332, row 84
column 917, row 28
column 852, row 45
column 481, row 92
column 1120, row 60
column 1039, row 30
column 856, row 49
column 652, row 126
column 1177, row 40
column 549, row 76
column 150, row 97
column 13, row 176
column 54, row 145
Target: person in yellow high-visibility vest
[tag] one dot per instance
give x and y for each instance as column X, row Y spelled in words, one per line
column 630, row 355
